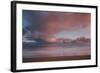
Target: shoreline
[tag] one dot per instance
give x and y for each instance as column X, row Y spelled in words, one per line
column 63, row 58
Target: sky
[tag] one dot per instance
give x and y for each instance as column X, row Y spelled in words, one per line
column 56, row 24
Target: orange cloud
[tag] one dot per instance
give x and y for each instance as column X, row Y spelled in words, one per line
column 59, row 21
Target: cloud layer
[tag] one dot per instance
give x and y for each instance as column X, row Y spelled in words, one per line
column 50, row 23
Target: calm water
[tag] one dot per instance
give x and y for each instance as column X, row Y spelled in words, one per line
column 56, row 51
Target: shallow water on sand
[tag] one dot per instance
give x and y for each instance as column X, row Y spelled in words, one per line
column 56, row 51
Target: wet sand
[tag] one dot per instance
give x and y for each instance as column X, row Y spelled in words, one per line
column 63, row 58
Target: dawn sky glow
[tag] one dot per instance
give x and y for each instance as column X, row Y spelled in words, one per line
column 56, row 24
